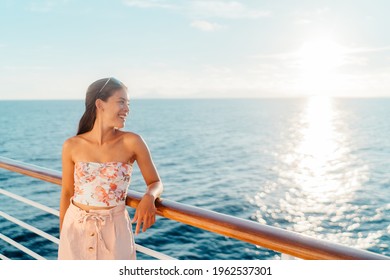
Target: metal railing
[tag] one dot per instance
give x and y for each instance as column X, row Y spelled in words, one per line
column 280, row 240
column 47, row 236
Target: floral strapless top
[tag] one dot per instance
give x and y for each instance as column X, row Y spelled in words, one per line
column 101, row 184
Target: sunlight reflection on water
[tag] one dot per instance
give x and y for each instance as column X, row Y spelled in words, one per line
column 318, row 178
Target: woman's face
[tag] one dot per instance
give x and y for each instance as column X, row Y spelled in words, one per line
column 116, row 109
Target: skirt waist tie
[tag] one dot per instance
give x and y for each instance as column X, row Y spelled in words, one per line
column 98, row 220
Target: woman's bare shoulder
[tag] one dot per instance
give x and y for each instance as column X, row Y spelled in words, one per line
column 131, row 137
column 74, row 141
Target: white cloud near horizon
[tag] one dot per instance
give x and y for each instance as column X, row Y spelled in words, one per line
column 284, row 56
column 204, row 25
column 217, row 81
column 340, row 72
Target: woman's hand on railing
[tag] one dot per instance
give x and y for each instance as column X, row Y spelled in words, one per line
column 145, row 213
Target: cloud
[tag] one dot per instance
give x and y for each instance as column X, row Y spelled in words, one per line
column 351, row 56
column 45, row 6
column 303, row 21
column 225, row 9
column 26, row 68
column 310, row 16
column 364, row 57
column 207, row 80
column 361, row 71
column 147, row 4
column 369, row 50
column 206, row 26
column 203, row 8
column 276, row 56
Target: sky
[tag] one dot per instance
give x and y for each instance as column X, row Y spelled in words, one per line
column 53, row 49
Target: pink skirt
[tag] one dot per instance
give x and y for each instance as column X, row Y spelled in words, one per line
column 96, row 235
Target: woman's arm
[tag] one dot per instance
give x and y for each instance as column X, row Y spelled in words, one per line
column 146, row 211
column 67, row 189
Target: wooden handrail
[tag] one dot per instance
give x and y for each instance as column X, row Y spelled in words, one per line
column 273, row 238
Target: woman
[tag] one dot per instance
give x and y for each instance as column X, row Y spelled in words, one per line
column 96, row 172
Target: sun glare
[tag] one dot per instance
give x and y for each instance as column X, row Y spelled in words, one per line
column 322, row 146
column 319, row 61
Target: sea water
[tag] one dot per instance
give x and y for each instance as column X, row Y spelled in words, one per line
column 316, row 166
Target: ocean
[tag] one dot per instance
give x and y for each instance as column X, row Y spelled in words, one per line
column 317, row 166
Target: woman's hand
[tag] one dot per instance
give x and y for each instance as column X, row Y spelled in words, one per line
column 145, row 213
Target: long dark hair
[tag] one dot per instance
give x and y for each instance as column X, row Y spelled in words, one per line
column 100, row 89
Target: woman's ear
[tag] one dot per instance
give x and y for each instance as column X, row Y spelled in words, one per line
column 99, row 104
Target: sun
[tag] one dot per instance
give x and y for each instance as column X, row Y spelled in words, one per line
column 319, row 61
column 321, row 55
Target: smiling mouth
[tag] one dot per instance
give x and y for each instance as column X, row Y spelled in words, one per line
column 123, row 117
